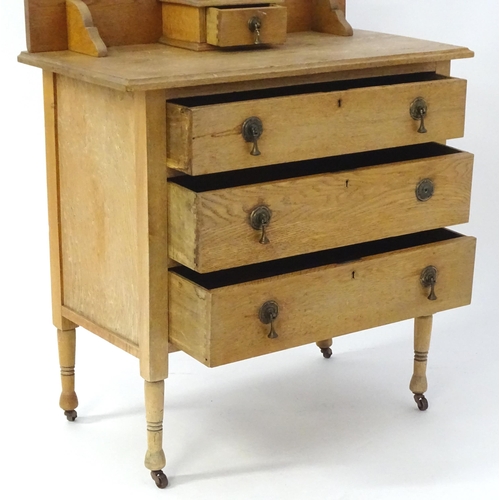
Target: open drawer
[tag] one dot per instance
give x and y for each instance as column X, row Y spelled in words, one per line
column 264, row 127
column 223, row 316
column 233, row 219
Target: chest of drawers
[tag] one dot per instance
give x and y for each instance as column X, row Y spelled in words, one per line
column 234, row 204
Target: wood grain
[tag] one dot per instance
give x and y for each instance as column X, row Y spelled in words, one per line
column 50, row 103
column 222, row 3
column 229, row 27
column 46, row 22
column 360, row 119
column 329, row 17
column 422, row 340
column 99, row 219
column 157, row 66
column 83, row 36
column 184, row 23
column 152, row 232
column 112, row 337
column 211, row 230
column 318, row 303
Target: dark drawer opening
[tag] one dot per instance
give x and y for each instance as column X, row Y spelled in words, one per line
column 231, row 179
column 341, row 255
column 312, row 88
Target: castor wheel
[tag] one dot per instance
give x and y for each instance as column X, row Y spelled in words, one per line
column 71, row 415
column 159, row 478
column 327, row 352
column 421, row 401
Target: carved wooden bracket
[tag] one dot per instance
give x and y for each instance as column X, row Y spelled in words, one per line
column 329, row 17
column 83, row 36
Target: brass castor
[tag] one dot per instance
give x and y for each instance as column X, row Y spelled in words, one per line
column 159, row 478
column 421, row 401
column 327, row 352
column 71, row 415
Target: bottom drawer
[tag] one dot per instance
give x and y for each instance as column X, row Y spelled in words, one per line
column 216, row 317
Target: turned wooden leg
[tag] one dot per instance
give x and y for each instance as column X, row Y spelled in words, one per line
column 418, row 384
column 66, row 341
column 325, row 346
column 155, row 457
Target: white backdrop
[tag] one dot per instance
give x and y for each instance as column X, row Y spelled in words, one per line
column 287, row 426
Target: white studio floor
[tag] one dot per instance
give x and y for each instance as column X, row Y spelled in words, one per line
column 282, row 427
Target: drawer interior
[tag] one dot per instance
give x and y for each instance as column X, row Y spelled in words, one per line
column 341, row 255
column 231, row 179
column 313, row 88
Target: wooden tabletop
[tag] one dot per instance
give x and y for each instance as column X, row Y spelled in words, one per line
column 157, row 66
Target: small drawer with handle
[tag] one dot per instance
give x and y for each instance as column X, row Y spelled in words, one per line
column 237, row 218
column 237, row 314
column 264, row 127
column 247, row 26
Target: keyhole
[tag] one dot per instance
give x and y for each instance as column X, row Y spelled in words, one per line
column 340, row 103
column 353, row 274
column 347, row 183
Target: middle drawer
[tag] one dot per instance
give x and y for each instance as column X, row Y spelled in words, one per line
column 233, row 219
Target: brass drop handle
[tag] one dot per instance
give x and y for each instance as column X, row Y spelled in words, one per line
column 259, row 220
column 251, row 130
column 267, row 314
column 428, row 278
column 254, row 25
column 418, row 111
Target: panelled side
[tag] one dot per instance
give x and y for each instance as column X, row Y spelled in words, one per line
column 99, row 220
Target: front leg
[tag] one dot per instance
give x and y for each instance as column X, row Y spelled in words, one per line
column 155, row 457
column 418, row 384
column 66, row 341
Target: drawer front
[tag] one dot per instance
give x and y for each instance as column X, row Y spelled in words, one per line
column 222, row 325
column 213, row 230
column 205, row 139
column 232, row 27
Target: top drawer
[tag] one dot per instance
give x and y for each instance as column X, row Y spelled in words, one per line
column 213, row 134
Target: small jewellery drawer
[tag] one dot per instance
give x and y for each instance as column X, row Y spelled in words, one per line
column 232, row 315
column 264, row 127
column 238, row 218
column 232, row 27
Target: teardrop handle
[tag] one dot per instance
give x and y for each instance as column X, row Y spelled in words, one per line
column 252, row 130
column 267, row 314
column 260, row 219
column 418, row 111
column 428, row 278
column 255, row 25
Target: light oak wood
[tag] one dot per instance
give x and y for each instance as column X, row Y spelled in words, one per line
column 423, row 329
column 304, row 54
column 329, row 17
column 229, row 27
column 301, row 80
column 360, row 119
column 211, row 230
column 66, row 341
column 99, row 206
column 318, row 302
column 114, row 219
column 46, row 22
column 299, row 14
column 154, row 399
column 221, row 3
column 324, row 344
column 53, row 199
column 152, row 227
column 112, row 337
column 184, row 23
column 83, row 36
